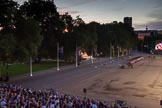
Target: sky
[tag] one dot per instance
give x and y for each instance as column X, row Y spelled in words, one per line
column 143, row 12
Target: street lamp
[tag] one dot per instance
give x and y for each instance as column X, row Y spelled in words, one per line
column 58, row 51
column 31, row 73
column 118, row 48
column 92, row 58
column 113, row 52
column 58, row 65
column 110, row 51
column 76, row 56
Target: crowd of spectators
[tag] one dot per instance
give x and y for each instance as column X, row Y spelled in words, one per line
column 14, row 96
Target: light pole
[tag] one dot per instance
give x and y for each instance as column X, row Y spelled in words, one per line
column 110, row 51
column 118, row 51
column 92, row 58
column 58, row 51
column 113, row 53
column 76, row 56
column 31, row 73
column 58, row 67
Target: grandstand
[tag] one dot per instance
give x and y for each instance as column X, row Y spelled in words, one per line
column 14, row 96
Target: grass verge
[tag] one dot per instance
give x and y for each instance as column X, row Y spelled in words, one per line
column 18, row 69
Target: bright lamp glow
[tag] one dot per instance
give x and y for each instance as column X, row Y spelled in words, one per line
column 158, row 46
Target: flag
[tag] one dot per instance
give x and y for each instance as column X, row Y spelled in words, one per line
column 158, row 46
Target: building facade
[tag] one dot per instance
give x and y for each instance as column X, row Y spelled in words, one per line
column 128, row 21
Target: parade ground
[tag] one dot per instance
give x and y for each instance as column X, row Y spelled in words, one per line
column 140, row 86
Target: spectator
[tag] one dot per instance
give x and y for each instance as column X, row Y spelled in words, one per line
column 13, row 96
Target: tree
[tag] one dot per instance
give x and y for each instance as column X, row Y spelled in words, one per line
column 8, row 10
column 67, row 41
column 44, row 11
column 117, row 35
column 90, row 39
column 27, row 47
column 7, row 43
column 104, row 32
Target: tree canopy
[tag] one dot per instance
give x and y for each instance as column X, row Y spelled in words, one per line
column 35, row 27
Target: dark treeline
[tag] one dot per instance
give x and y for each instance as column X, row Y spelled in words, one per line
column 34, row 28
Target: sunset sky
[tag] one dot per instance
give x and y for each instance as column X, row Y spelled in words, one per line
column 143, row 12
